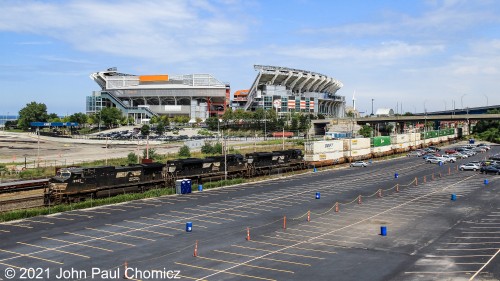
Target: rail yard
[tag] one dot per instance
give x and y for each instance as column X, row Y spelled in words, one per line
column 316, row 226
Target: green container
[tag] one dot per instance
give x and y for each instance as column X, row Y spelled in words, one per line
column 381, row 141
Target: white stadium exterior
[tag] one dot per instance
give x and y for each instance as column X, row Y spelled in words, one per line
column 292, row 90
column 194, row 95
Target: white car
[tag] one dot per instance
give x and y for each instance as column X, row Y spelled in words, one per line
column 435, row 160
column 459, row 155
column 469, row 167
column 449, row 158
column 359, row 164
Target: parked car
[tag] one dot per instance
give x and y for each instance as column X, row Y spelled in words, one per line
column 450, row 151
column 435, row 148
column 479, row 149
column 459, row 155
column 449, row 158
column 469, row 167
column 359, row 164
column 414, row 153
column 491, row 169
column 485, row 146
column 427, row 156
column 435, row 160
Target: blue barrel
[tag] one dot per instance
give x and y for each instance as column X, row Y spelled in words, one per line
column 440, row 163
column 485, row 181
column 453, row 197
column 315, row 170
column 189, row 226
column 383, row 230
column 396, row 175
column 200, row 187
column 472, row 141
column 318, row 195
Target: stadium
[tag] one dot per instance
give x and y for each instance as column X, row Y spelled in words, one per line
column 292, row 90
column 282, row 89
column 145, row 96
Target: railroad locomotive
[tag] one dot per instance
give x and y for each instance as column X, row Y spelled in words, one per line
column 79, row 184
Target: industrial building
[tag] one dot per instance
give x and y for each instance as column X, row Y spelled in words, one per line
column 145, row 96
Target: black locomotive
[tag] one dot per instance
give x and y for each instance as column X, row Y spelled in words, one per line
column 77, row 184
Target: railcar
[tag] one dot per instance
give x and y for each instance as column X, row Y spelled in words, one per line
column 78, row 184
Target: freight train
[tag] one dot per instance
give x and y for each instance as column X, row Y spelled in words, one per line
column 77, row 184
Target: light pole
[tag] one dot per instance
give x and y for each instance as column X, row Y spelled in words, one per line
column 425, row 108
column 225, row 158
column 372, row 106
column 486, row 99
column 462, row 101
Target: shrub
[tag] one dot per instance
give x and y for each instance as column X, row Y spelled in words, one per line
column 132, row 158
column 184, row 152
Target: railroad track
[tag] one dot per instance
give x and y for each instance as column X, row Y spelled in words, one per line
column 21, row 203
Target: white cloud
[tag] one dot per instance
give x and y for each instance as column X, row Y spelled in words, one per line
column 162, row 30
column 383, row 52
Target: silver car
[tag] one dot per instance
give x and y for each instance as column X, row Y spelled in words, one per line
column 469, row 167
column 359, row 164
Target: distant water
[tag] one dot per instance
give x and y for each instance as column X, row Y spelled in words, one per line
column 4, row 118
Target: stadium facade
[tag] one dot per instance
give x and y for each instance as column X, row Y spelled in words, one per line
column 145, row 96
column 293, row 90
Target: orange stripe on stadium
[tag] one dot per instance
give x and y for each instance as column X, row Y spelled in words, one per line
column 152, row 78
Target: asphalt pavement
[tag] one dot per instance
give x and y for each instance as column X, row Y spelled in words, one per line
column 278, row 230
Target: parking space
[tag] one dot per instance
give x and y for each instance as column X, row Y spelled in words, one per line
column 430, row 234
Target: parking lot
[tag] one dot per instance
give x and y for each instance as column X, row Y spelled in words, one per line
column 278, row 230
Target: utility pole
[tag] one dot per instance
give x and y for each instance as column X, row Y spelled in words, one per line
column 225, row 158
column 372, row 107
column 38, row 147
column 283, row 136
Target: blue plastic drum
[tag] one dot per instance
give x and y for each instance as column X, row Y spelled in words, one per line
column 318, row 195
column 486, row 182
column 453, row 197
column 396, row 175
column 189, row 226
column 383, row 230
column 200, row 187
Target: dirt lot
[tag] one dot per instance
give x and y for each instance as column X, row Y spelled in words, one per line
column 16, row 147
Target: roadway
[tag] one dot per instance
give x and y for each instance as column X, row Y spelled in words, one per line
column 429, row 237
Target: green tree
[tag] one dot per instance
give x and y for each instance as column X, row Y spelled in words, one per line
column 165, row 120
column 366, row 131
column 151, row 153
column 79, row 117
column 110, row 116
column 145, row 130
column 184, row 152
column 207, row 148
column 160, row 127
column 32, row 112
column 132, row 158
column 212, row 123
column 228, row 116
column 217, row 148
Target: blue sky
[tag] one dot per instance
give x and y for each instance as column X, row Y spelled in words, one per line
column 433, row 53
